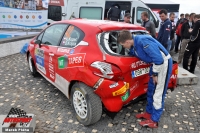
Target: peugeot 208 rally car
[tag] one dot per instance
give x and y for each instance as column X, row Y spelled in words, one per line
column 83, row 60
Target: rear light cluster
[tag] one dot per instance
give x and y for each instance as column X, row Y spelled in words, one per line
column 106, row 70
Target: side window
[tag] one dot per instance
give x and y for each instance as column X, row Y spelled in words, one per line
column 53, row 34
column 91, row 12
column 139, row 12
column 72, row 37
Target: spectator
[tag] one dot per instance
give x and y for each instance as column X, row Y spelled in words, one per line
column 114, row 13
column 149, row 25
column 193, row 46
column 185, row 35
column 181, row 17
column 127, row 18
column 178, row 39
column 172, row 34
column 165, row 28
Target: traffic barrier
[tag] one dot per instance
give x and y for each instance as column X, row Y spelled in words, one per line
column 10, row 46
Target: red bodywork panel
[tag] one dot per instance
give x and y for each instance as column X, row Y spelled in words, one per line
column 79, row 60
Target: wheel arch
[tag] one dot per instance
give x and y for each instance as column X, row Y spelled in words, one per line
column 27, row 54
column 70, row 86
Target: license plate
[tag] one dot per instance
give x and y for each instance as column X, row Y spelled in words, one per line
column 140, row 72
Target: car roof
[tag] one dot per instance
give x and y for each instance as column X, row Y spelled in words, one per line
column 104, row 25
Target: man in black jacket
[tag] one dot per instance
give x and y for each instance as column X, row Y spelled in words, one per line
column 114, row 13
column 185, row 36
column 193, row 46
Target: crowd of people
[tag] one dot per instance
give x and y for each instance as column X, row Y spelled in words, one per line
column 156, row 51
column 184, row 33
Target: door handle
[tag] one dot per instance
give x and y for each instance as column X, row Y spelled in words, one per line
column 51, row 54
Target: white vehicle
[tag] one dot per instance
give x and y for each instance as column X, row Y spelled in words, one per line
column 93, row 9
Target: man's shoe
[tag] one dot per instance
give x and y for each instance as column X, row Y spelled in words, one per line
column 144, row 115
column 149, row 123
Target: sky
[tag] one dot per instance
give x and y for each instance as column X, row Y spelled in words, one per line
column 188, row 6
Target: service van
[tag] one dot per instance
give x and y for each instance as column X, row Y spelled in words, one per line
column 97, row 9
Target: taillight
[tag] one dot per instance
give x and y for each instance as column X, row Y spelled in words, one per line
column 106, row 70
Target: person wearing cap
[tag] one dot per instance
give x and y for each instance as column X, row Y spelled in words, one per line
column 127, row 18
column 149, row 25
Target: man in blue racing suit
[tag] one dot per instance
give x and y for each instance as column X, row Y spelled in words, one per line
column 149, row 50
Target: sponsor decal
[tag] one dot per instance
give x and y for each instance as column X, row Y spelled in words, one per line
column 173, row 76
column 98, row 83
column 51, row 68
column 126, row 96
column 39, row 55
column 70, row 61
column 39, row 52
column 114, row 85
column 136, row 85
column 140, row 72
column 62, row 62
column 138, row 63
column 66, row 50
column 71, row 51
column 69, row 41
column 63, row 50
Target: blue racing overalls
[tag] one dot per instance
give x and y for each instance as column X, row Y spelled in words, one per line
column 149, row 50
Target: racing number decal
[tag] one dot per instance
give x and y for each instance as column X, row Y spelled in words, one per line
column 70, row 61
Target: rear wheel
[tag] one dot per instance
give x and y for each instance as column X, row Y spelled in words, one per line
column 86, row 104
column 32, row 66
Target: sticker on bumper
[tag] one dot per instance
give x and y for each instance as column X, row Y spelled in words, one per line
column 114, row 85
column 126, row 96
column 140, row 72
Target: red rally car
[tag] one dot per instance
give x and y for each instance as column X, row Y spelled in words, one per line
column 83, row 60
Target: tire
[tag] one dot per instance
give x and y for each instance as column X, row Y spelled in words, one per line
column 32, row 67
column 93, row 106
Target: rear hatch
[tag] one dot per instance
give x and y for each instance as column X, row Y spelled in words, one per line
column 133, row 71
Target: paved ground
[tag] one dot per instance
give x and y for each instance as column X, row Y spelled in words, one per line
column 54, row 113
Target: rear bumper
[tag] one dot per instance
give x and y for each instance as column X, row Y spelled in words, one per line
column 114, row 95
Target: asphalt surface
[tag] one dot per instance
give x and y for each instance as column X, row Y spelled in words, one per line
column 53, row 110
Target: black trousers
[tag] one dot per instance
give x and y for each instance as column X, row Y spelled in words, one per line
column 178, row 39
column 191, row 49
